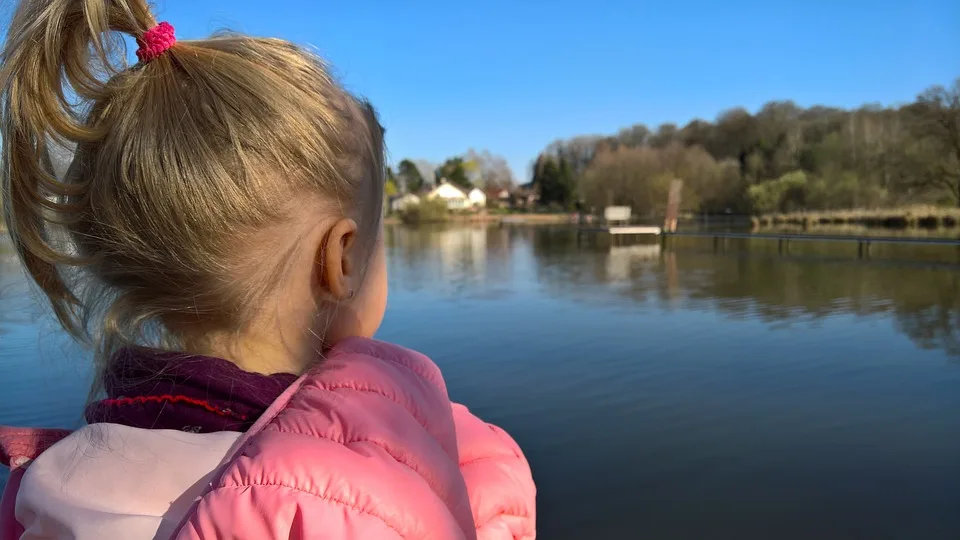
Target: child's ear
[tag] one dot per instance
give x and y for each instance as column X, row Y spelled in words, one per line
column 335, row 268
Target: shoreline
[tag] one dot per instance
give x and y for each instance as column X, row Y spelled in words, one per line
column 492, row 219
column 911, row 217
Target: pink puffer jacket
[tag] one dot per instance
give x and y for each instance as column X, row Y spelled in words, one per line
column 367, row 445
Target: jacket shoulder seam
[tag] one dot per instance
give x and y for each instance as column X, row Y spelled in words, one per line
column 412, row 410
column 481, row 459
column 379, row 444
column 323, row 497
column 501, row 515
column 395, row 359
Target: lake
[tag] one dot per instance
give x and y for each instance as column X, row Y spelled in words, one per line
column 673, row 393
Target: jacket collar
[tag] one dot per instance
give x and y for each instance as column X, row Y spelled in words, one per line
column 152, row 389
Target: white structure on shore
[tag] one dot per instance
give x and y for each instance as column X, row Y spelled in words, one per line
column 401, row 202
column 477, row 198
column 455, row 198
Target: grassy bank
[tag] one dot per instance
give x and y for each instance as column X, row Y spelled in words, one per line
column 534, row 219
column 919, row 217
column 430, row 213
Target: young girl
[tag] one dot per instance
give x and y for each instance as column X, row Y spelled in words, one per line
column 217, row 239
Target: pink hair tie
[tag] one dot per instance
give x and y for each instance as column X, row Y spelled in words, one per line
column 155, row 42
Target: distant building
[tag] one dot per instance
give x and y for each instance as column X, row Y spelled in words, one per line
column 497, row 197
column 402, row 202
column 501, row 194
column 617, row 214
column 477, row 198
column 525, row 196
column 455, row 198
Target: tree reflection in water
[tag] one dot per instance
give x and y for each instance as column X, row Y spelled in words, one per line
column 919, row 287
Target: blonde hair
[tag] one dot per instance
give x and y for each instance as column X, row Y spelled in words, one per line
column 179, row 162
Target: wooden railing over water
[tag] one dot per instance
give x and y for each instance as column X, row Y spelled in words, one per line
column 783, row 240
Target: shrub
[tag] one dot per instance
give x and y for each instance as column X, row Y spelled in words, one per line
column 783, row 194
column 428, row 211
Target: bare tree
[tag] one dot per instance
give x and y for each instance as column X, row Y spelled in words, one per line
column 937, row 121
column 635, row 135
column 640, row 177
column 579, row 151
column 489, row 171
column 426, row 169
column 666, row 134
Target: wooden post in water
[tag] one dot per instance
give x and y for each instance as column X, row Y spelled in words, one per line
column 673, row 206
column 783, row 246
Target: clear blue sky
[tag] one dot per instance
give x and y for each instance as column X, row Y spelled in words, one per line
column 513, row 75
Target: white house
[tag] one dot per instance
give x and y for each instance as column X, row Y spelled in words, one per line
column 477, row 198
column 455, row 198
column 402, row 202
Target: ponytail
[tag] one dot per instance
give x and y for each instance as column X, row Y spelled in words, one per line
column 181, row 163
column 47, row 67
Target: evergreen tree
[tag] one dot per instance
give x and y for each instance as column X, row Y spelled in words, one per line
column 409, row 177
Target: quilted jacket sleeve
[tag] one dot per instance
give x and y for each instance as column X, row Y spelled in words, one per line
column 499, row 483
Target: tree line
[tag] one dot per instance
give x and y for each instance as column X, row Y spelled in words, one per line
column 473, row 169
column 783, row 158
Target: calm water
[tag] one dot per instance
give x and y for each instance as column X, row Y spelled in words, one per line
column 683, row 394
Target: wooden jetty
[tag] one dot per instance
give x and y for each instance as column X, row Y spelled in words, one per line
column 616, row 220
column 623, row 230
